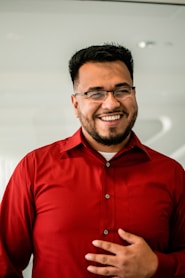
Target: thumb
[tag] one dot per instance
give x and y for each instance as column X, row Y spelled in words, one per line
column 130, row 238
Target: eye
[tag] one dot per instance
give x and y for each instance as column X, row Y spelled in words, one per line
column 123, row 91
column 96, row 95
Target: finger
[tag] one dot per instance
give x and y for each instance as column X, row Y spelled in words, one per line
column 101, row 258
column 106, row 245
column 130, row 238
column 104, row 271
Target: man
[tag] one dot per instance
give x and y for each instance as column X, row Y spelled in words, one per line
column 98, row 203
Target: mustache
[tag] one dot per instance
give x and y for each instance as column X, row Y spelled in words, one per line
column 114, row 111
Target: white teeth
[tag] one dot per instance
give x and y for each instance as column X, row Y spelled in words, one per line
column 111, row 118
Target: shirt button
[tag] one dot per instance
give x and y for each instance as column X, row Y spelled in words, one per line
column 108, row 164
column 105, row 232
column 107, row 196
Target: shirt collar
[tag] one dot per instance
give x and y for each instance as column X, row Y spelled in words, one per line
column 135, row 143
column 77, row 139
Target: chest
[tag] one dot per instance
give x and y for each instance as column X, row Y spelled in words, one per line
column 100, row 198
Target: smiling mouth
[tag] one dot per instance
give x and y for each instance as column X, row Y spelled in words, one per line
column 109, row 118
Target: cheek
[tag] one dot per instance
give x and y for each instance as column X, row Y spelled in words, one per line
column 86, row 110
column 131, row 105
column 80, row 109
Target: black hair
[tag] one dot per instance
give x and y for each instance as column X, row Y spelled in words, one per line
column 100, row 53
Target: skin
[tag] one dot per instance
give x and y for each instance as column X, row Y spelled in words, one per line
column 111, row 134
column 136, row 260
column 91, row 114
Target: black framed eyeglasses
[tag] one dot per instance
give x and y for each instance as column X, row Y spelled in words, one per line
column 100, row 95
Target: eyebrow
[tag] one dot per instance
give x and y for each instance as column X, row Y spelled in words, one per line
column 102, row 88
column 122, row 84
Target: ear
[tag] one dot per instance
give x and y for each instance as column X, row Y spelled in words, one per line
column 75, row 105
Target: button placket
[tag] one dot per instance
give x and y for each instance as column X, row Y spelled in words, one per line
column 107, row 164
column 107, row 204
column 107, row 196
column 105, row 232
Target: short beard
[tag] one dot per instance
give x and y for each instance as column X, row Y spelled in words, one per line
column 112, row 139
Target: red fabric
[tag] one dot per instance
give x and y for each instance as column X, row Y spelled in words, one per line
column 55, row 205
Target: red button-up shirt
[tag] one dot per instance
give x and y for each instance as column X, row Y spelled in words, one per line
column 64, row 195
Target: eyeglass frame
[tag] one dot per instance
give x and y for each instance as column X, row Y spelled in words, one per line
column 106, row 92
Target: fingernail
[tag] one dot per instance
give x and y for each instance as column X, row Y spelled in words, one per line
column 95, row 242
column 90, row 268
column 88, row 256
column 121, row 230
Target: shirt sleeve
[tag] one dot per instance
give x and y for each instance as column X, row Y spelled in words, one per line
column 17, row 215
column 172, row 263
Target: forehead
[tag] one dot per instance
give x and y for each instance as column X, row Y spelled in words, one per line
column 103, row 73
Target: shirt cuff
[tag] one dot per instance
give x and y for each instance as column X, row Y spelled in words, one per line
column 166, row 266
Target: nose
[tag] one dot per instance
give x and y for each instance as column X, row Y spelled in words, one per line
column 110, row 102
